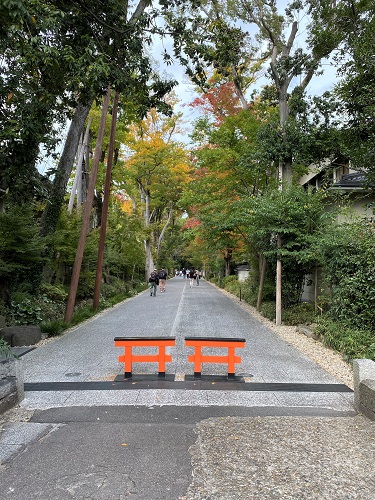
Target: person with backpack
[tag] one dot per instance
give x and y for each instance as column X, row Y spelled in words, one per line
column 153, row 281
column 162, row 279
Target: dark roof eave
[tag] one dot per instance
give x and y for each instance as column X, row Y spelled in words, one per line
column 349, row 188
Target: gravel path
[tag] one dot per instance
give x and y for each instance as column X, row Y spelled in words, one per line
column 283, row 458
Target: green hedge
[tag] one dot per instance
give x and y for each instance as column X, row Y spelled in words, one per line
column 351, row 342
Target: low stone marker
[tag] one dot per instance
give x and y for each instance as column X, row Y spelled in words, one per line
column 364, row 386
column 11, row 383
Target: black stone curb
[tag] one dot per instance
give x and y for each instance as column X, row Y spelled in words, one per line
column 197, row 385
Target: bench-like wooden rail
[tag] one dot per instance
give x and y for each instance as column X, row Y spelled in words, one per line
column 198, row 358
column 128, row 358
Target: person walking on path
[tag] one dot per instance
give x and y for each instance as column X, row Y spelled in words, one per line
column 197, row 276
column 191, row 277
column 162, row 279
column 153, row 282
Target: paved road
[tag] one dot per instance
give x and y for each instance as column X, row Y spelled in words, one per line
column 286, row 430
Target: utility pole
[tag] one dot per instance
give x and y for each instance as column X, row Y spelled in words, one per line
column 107, row 189
column 87, row 212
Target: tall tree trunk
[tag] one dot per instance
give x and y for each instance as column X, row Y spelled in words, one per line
column 64, row 169
column 149, row 264
column 316, row 288
column 78, row 174
column 238, row 89
column 278, row 283
column 86, row 214
column 263, row 266
column 161, row 237
column 107, row 190
column 3, row 193
column 77, row 184
column 86, row 172
column 227, row 259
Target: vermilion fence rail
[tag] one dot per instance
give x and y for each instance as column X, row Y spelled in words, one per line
column 198, row 358
column 128, row 358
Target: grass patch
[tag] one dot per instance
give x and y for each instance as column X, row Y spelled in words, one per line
column 53, row 328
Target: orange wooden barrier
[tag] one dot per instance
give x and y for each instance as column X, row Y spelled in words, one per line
column 128, row 358
column 198, row 358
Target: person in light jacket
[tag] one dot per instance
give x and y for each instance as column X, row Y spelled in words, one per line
column 162, row 279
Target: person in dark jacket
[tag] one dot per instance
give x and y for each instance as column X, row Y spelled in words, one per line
column 191, row 277
column 153, row 281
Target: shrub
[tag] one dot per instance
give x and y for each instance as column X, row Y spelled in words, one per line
column 232, row 285
column 269, row 293
column 303, row 313
column 21, row 248
column 354, row 299
column 268, row 310
column 348, row 252
column 82, row 313
column 352, row 342
column 113, row 288
column 25, row 312
column 249, row 294
column 229, row 279
column 86, row 284
column 28, row 310
column 57, row 293
column 6, row 350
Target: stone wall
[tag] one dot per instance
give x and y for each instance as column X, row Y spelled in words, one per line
column 364, row 386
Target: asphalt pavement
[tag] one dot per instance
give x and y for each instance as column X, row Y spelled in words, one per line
column 283, row 429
